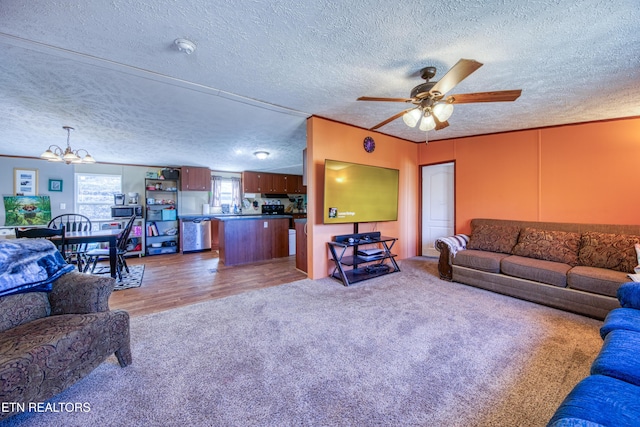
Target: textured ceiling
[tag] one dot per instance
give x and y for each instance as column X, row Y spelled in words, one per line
column 110, row 70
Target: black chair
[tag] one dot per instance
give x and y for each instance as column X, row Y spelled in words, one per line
column 73, row 222
column 44, row 233
column 95, row 255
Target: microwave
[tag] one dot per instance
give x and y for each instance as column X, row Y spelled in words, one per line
column 126, row 211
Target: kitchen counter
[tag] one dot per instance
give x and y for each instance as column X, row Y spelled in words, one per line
column 230, row 217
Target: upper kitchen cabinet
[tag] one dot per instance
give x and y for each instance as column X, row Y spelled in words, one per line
column 274, row 183
column 195, row 179
column 251, row 182
column 295, row 186
column 257, row 182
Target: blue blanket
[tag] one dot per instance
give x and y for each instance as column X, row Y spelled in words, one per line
column 28, row 265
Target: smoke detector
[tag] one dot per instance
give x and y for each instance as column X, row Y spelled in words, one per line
column 184, row 45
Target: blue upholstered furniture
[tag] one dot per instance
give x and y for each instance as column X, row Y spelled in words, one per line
column 610, row 396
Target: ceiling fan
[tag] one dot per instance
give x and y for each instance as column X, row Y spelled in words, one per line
column 431, row 108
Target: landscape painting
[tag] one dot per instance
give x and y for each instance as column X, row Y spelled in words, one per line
column 23, row 211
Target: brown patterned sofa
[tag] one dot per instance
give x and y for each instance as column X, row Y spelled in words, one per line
column 570, row 266
column 50, row 340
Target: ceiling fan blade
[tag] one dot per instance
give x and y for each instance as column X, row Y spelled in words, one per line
column 370, row 98
column 498, row 96
column 390, row 119
column 455, row 75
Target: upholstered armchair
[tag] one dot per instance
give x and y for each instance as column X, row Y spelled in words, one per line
column 50, row 340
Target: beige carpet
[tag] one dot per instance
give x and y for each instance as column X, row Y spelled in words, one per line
column 402, row 350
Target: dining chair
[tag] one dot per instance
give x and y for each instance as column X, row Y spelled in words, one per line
column 95, row 255
column 44, row 233
column 73, row 222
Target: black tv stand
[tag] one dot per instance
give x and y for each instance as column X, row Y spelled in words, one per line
column 344, row 253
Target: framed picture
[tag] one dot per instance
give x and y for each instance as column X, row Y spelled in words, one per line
column 25, row 182
column 55, row 185
column 27, row 210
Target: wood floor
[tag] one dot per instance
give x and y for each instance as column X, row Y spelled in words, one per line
column 172, row 281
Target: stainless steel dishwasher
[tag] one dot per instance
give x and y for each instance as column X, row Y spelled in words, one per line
column 196, row 234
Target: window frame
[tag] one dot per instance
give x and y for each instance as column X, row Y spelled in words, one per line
column 78, row 186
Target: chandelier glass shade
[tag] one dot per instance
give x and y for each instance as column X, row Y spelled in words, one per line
column 56, row 154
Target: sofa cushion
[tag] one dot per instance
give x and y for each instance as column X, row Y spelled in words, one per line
column 479, row 260
column 621, row 318
column 558, row 246
column 596, row 280
column 494, row 238
column 18, row 309
column 549, row 272
column 618, row 357
column 612, row 251
column 599, row 401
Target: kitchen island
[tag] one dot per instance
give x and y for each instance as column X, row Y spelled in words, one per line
column 250, row 238
column 243, row 239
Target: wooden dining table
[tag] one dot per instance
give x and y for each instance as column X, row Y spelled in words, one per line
column 96, row 236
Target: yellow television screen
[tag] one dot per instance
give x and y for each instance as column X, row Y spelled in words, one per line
column 355, row 193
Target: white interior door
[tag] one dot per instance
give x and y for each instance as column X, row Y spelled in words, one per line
column 437, row 205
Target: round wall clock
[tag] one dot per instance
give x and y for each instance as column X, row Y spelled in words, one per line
column 369, row 144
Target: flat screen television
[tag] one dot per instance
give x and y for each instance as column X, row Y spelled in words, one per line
column 355, row 193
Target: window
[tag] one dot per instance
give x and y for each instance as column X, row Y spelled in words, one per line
column 226, row 191
column 94, row 194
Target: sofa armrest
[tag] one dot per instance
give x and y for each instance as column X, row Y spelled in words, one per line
column 629, row 295
column 448, row 247
column 78, row 293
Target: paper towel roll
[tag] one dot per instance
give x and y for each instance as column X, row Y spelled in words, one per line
column 205, row 209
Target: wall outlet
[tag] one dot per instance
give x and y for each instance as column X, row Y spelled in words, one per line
column 63, row 206
column 266, row 224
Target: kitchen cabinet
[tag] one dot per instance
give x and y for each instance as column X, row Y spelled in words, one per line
column 278, row 183
column 295, row 185
column 272, row 183
column 195, row 179
column 251, row 182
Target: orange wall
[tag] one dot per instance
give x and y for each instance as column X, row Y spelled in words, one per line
column 331, row 140
column 576, row 173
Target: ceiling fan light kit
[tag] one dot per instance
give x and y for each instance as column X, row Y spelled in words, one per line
column 432, row 108
column 427, row 123
column 411, row 117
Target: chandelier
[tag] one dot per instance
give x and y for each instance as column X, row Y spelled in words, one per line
column 55, row 154
column 427, row 112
